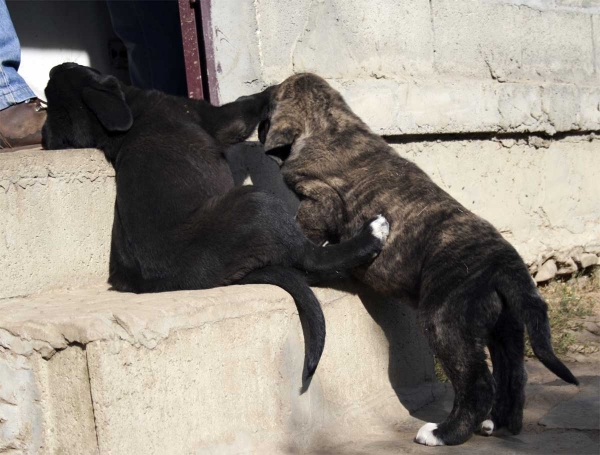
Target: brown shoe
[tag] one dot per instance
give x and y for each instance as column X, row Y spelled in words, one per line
column 21, row 124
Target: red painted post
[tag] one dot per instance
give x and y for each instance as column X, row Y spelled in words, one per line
column 193, row 72
column 210, row 72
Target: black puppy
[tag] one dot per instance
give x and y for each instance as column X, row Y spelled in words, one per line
column 179, row 222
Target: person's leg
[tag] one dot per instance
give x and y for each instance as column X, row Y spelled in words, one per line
column 21, row 113
column 151, row 32
column 13, row 88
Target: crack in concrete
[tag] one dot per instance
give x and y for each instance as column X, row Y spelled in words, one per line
column 25, row 182
column 594, row 45
column 300, row 35
column 258, row 37
column 89, row 377
column 433, row 44
column 583, row 135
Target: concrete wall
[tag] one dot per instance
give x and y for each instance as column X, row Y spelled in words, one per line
column 216, row 371
column 56, row 210
column 56, row 207
column 424, row 66
column 468, row 80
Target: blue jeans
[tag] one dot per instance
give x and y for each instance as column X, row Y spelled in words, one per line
column 13, row 88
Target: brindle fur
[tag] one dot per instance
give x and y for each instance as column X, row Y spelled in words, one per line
column 468, row 284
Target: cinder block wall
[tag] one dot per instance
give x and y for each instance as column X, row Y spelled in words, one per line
column 424, row 66
column 498, row 100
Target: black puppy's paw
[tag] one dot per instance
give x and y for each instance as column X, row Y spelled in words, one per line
column 380, row 228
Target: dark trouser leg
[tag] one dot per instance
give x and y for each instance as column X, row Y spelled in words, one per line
column 151, row 32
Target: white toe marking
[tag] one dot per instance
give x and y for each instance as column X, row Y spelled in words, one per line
column 248, row 181
column 426, row 437
column 487, row 427
column 380, row 228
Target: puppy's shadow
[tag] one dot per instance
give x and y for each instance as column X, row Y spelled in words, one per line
column 251, row 166
column 410, row 368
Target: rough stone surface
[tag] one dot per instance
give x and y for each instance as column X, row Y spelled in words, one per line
column 419, row 67
column 544, row 394
column 587, row 260
column 57, row 207
column 215, row 371
column 56, row 210
column 543, row 200
column 580, row 412
column 592, row 327
column 567, row 267
column 65, row 388
column 546, row 272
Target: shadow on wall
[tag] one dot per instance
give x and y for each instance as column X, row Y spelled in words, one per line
column 52, row 32
column 410, row 360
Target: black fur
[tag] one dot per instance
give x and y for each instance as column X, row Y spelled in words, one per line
column 179, row 223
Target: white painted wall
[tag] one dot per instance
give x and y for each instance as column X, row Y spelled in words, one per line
column 53, row 32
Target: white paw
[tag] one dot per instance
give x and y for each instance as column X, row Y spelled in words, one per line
column 380, row 228
column 487, row 427
column 426, row 437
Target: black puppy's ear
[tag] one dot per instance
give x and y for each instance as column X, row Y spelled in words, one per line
column 107, row 101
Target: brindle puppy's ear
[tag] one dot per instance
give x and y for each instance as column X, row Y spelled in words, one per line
column 107, row 101
column 278, row 134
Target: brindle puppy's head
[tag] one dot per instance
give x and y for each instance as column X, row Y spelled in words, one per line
column 302, row 105
column 84, row 108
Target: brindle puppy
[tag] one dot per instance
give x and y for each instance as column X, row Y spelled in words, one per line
column 468, row 284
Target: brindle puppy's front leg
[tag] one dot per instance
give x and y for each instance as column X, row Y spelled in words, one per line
column 312, row 220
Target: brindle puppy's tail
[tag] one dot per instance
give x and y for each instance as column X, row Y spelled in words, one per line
column 293, row 281
column 521, row 295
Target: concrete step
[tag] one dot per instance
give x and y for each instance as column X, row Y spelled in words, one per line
column 93, row 371
column 56, row 207
column 548, row 400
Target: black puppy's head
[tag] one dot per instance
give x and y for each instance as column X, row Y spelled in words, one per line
column 84, row 108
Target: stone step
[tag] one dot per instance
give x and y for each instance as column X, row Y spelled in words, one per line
column 56, row 207
column 94, row 371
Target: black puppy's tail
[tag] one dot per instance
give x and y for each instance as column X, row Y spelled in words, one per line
column 294, row 282
column 521, row 295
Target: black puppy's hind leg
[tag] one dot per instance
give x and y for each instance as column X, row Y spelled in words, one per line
column 294, row 282
column 337, row 261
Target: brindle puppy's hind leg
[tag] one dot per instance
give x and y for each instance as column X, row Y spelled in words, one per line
column 506, row 347
column 462, row 356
